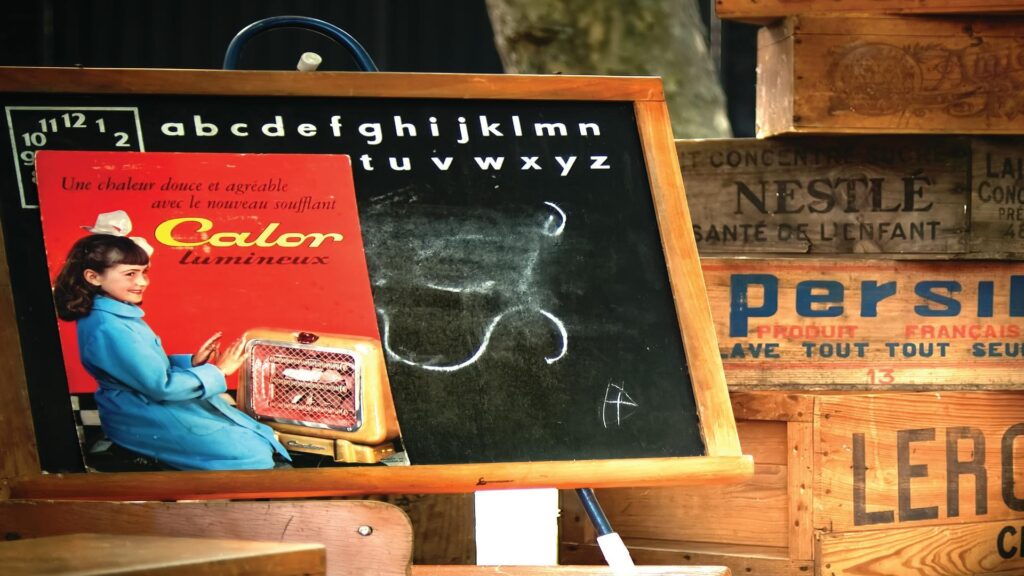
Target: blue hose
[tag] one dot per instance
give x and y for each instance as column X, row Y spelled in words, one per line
column 363, row 60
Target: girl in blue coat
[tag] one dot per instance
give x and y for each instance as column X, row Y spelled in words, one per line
column 165, row 407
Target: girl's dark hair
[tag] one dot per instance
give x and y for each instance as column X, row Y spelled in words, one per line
column 72, row 295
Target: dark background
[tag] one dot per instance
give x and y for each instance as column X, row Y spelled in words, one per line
column 400, row 36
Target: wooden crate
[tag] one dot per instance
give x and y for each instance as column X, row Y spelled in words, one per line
column 891, row 75
column 845, row 485
column 868, row 324
column 930, row 197
column 759, row 11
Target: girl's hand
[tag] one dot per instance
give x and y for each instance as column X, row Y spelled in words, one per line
column 208, row 351
column 232, row 358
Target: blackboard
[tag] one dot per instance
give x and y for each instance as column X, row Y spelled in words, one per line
column 527, row 239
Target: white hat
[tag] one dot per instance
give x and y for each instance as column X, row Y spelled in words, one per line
column 117, row 223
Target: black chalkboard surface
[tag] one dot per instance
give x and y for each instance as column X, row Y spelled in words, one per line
column 531, row 269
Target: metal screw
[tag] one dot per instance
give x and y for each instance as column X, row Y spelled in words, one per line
column 365, row 530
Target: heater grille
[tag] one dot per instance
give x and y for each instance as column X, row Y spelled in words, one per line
column 306, row 385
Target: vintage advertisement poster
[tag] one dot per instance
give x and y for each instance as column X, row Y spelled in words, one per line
column 215, row 309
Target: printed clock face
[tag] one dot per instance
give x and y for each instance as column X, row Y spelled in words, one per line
column 35, row 128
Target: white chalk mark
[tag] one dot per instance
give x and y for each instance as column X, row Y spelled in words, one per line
column 562, row 334
column 527, row 275
column 621, row 398
column 478, row 288
column 483, row 344
column 450, row 368
column 561, row 225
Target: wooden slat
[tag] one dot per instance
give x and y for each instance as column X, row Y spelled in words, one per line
column 751, row 513
column 87, row 554
column 567, row 570
column 683, row 262
column 893, row 195
column 871, row 480
column 763, row 10
column 997, row 197
column 800, row 489
column 930, row 197
column 742, row 560
column 858, row 75
column 444, row 526
column 939, row 551
column 765, row 442
column 775, row 405
column 421, row 479
column 19, row 457
column 339, row 84
column 966, row 335
column 386, row 550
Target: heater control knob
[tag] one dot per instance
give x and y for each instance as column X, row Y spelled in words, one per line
column 306, row 337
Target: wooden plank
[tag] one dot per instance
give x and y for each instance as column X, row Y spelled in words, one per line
column 891, row 75
column 421, row 479
column 567, row 570
column 986, row 548
column 386, row 550
column 683, row 262
column 751, row 513
column 444, row 526
column 775, row 405
column 86, row 554
column 997, row 197
column 764, row 441
column 759, row 560
column 906, row 460
column 21, row 458
column 347, row 84
column 869, row 324
column 763, row 10
column 895, row 195
column 800, row 489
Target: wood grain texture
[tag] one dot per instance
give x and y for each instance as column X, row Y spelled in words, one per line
column 929, row 551
column 444, row 526
column 997, row 197
column 800, row 441
column 339, row 84
column 20, row 455
column 87, row 554
column 902, row 341
column 775, row 405
column 759, row 11
column 860, row 74
column 692, row 309
column 300, row 483
column 567, row 570
column 751, row 513
column 891, row 195
column 742, row 560
column 891, row 461
column 387, row 551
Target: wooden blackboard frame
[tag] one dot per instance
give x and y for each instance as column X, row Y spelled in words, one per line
column 723, row 462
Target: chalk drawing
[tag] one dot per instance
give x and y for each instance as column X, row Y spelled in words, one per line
column 563, row 346
column 615, row 398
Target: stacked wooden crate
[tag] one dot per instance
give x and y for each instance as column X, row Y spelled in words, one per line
column 867, row 283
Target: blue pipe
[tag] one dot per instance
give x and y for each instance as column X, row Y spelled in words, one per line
column 597, row 517
column 362, row 58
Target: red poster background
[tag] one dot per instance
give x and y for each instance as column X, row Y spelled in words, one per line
column 321, row 289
